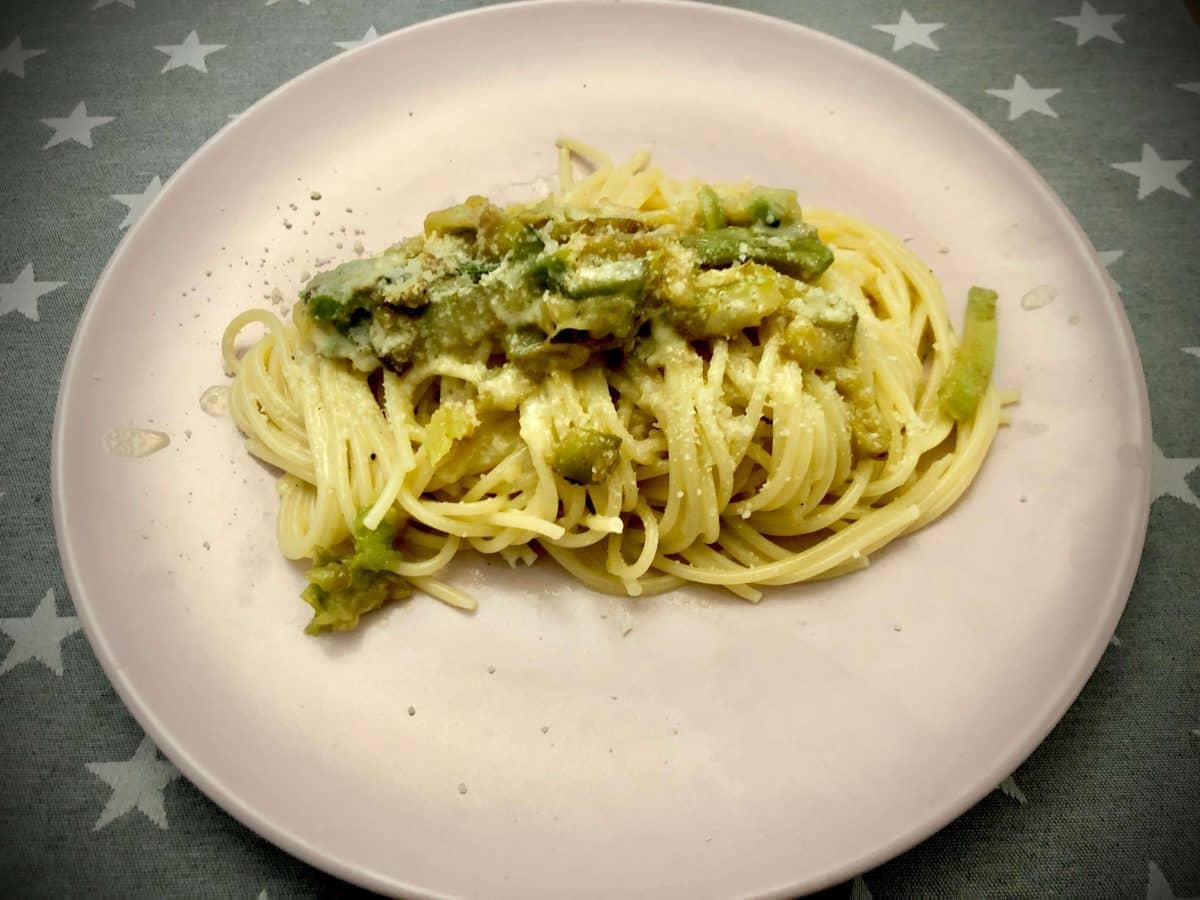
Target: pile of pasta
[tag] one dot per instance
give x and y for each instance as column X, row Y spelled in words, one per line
column 736, row 465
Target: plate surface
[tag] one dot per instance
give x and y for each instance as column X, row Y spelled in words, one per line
column 681, row 746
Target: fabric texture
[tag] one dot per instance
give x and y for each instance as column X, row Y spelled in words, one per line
column 1103, row 100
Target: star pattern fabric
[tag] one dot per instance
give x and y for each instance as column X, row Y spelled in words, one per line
column 38, row 637
column 859, row 889
column 1157, row 886
column 14, row 56
column 1009, row 788
column 908, row 32
column 75, row 127
column 22, row 294
column 1154, row 173
column 370, row 35
column 1108, row 257
column 190, row 52
column 1090, row 24
column 1022, row 97
column 100, row 4
column 137, row 203
column 1168, row 477
column 137, row 783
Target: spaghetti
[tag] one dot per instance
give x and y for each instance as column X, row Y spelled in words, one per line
column 750, row 442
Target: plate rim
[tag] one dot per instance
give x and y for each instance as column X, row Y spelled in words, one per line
column 1066, row 691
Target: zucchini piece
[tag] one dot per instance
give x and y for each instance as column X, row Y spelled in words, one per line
column 586, row 456
column 970, row 371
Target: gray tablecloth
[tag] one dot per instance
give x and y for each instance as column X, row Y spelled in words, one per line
column 101, row 100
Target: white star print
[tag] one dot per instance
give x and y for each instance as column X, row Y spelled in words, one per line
column 1168, row 477
column 76, row 127
column 1022, row 97
column 22, row 295
column 137, row 783
column 137, row 203
column 1108, row 257
column 38, row 636
column 859, row 889
column 14, row 56
column 1192, row 87
column 1012, row 790
column 100, row 4
column 302, row 2
column 368, row 36
column 1192, row 351
column 1157, row 886
column 908, row 31
column 1091, row 24
column 1154, row 172
column 190, row 53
